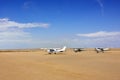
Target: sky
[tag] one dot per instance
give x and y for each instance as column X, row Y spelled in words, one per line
column 55, row 23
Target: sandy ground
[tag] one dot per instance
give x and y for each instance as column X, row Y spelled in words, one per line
column 38, row 65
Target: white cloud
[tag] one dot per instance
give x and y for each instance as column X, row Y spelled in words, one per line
column 101, row 6
column 14, row 39
column 10, row 31
column 13, row 35
column 100, row 34
column 100, row 3
column 27, row 4
column 5, row 24
column 98, row 39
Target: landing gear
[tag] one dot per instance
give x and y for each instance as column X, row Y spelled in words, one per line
column 49, row 53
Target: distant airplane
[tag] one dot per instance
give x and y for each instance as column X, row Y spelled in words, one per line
column 55, row 50
column 101, row 50
column 78, row 49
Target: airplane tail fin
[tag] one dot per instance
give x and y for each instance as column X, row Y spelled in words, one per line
column 64, row 48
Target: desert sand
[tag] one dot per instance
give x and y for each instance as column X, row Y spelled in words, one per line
column 39, row 65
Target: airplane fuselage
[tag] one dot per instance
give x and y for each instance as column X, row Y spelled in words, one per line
column 50, row 51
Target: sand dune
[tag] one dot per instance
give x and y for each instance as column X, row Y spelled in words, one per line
column 38, row 65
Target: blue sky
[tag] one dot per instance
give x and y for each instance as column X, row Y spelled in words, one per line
column 54, row 23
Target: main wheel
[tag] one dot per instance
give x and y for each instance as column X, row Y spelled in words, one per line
column 49, row 53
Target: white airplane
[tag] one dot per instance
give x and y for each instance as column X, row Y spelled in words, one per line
column 55, row 50
column 101, row 49
column 78, row 49
column 106, row 49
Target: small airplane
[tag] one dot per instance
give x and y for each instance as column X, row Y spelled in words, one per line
column 78, row 49
column 101, row 50
column 55, row 50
